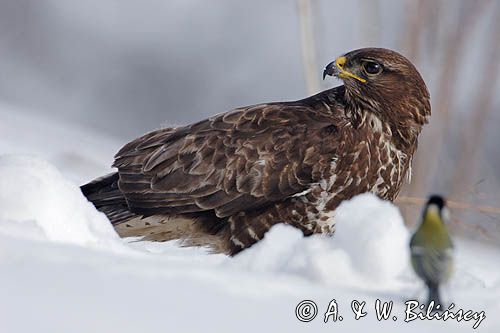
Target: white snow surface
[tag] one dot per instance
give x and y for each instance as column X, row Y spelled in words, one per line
column 63, row 268
column 35, row 195
column 341, row 259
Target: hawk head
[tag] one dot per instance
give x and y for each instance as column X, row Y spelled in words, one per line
column 383, row 81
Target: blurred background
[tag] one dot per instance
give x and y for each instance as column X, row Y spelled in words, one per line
column 114, row 69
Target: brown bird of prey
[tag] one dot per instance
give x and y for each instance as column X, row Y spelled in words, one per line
column 225, row 181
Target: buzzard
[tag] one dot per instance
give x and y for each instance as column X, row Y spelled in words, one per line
column 225, row 181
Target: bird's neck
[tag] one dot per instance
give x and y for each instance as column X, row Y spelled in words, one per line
column 396, row 121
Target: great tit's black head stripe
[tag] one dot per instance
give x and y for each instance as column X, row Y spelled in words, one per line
column 436, row 200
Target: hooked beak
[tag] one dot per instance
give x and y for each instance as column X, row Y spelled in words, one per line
column 330, row 70
column 337, row 68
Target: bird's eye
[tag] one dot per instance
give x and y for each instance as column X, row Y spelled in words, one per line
column 371, row 67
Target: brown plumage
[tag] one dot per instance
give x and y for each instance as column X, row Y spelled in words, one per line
column 224, row 181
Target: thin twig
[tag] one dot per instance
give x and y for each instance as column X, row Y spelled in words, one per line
column 308, row 47
column 414, row 201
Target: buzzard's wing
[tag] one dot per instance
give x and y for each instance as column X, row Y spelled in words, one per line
column 231, row 162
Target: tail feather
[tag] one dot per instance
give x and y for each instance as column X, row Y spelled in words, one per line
column 203, row 229
column 104, row 193
column 434, row 294
column 100, row 191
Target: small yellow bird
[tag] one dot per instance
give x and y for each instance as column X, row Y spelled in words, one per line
column 431, row 247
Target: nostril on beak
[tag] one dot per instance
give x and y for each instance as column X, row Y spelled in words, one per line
column 340, row 62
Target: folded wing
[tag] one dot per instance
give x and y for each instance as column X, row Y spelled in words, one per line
column 240, row 160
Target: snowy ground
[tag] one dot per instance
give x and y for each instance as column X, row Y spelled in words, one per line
column 63, row 269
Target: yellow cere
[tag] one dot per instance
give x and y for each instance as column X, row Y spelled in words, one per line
column 340, row 62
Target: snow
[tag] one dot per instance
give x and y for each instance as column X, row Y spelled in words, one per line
column 34, row 192
column 377, row 229
column 63, row 269
column 341, row 259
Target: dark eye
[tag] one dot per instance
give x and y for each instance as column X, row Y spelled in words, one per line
column 372, row 68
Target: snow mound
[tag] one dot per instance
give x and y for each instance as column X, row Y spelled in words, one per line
column 369, row 247
column 36, row 201
column 373, row 233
